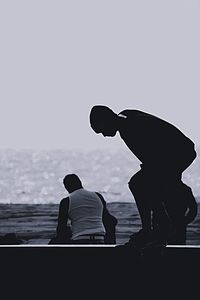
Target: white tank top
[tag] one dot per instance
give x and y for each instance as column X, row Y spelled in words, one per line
column 85, row 212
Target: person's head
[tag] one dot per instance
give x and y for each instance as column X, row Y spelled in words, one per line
column 72, row 182
column 103, row 120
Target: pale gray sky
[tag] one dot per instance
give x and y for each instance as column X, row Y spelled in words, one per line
column 59, row 58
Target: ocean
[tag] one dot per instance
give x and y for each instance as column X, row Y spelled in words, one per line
column 35, row 177
column 31, row 189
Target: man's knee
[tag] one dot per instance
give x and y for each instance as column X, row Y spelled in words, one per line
column 135, row 182
column 131, row 182
column 186, row 162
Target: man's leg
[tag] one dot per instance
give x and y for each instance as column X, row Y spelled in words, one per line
column 149, row 190
column 138, row 190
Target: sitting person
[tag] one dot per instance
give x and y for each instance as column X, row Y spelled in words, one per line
column 91, row 223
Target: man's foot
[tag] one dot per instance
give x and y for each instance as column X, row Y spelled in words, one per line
column 144, row 239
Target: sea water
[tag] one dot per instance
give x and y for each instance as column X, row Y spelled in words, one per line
column 35, row 177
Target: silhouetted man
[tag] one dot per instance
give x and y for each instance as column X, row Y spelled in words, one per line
column 91, row 223
column 164, row 151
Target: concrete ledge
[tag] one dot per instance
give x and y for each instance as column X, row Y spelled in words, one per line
column 80, row 254
column 102, row 267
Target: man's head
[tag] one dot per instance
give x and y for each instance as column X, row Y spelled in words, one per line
column 72, row 182
column 103, row 120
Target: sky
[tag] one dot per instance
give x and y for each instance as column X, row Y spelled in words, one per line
column 59, row 58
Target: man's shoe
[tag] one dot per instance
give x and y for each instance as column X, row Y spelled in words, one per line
column 144, row 239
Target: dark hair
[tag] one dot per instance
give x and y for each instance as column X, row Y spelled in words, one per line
column 100, row 114
column 72, row 182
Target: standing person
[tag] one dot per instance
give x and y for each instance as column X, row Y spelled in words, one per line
column 164, row 151
column 91, row 223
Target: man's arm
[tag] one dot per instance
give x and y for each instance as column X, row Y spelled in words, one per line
column 103, row 202
column 62, row 216
column 109, row 223
column 106, row 213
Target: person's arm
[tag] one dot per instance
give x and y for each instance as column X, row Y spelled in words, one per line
column 103, row 202
column 109, row 223
column 62, row 216
column 106, row 213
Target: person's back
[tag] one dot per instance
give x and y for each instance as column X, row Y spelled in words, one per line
column 155, row 140
column 85, row 212
column 91, row 223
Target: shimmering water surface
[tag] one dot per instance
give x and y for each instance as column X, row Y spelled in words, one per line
column 28, row 176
